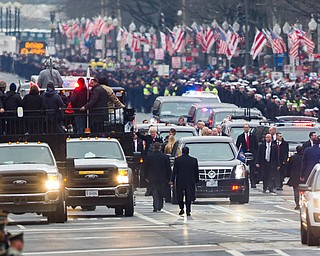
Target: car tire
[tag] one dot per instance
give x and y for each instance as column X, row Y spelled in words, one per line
column 312, row 240
column 118, row 211
column 242, row 199
column 303, row 234
column 129, row 208
column 59, row 215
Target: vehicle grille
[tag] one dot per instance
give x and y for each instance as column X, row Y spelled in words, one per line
column 215, row 174
column 81, row 179
column 22, row 183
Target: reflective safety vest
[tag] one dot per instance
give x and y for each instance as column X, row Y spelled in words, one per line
column 166, row 92
column 207, row 89
column 215, row 91
column 147, row 90
column 155, row 90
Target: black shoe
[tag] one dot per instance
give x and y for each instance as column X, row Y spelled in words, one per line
column 253, row 186
column 154, row 210
column 188, row 213
column 279, row 189
column 297, row 207
column 181, row 212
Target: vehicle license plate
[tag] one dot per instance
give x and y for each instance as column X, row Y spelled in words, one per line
column 212, row 183
column 92, row 193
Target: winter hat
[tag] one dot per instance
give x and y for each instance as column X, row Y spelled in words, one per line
column 13, row 87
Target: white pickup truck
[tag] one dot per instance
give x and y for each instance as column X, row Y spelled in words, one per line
column 30, row 181
column 96, row 173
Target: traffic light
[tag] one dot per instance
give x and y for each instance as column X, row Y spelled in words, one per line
column 161, row 20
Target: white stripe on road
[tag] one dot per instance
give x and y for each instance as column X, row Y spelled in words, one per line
column 235, row 253
column 284, row 208
column 205, row 247
column 281, row 252
column 170, row 213
column 141, row 216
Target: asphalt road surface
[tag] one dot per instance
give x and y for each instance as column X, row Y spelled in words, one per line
column 268, row 225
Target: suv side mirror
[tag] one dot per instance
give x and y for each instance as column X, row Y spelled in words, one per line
column 249, row 156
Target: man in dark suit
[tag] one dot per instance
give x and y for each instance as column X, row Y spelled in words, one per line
column 283, row 152
column 157, row 173
column 293, row 172
column 311, row 156
column 267, row 162
column 309, row 143
column 249, row 144
column 185, row 175
column 220, row 132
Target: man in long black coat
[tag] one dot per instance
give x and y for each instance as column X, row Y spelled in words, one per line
column 157, row 173
column 185, row 175
column 293, row 172
column 311, row 156
column 283, row 152
column 249, row 144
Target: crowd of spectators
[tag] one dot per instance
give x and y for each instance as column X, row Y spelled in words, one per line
column 143, row 85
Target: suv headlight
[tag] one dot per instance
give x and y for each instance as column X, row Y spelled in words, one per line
column 239, row 171
column 123, row 176
column 52, row 182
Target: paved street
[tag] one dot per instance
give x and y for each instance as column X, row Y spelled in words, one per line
column 268, row 225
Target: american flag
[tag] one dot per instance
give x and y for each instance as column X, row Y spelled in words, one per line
column 209, row 39
column 276, row 42
column 242, row 37
column 164, row 41
column 89, row 29
column 233, row 40
column 259, row 42
column 179, row 43
column 299, row 38
column 200, row 38
column 223, row 46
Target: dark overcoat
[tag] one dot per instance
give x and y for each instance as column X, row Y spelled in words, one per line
column 293, row 170
column 185, row 175
column 311, row 156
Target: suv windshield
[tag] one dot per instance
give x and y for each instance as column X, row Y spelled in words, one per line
column 175, row 109
column 297, row 135
column 25, row 155
column 213, row 151
column 94, row 149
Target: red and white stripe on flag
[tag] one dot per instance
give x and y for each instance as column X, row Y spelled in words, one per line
column 259, row 42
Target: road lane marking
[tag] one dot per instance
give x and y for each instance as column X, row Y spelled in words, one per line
column 284, row 208
column 235, row 253
column 205, row 248
column 170, row 213
column 141, row 216
column 281, row 252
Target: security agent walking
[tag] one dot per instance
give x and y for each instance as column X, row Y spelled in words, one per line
column 185, row 175
column 267, row 161
column 311, row 156
column 157, row 174
column 249, row 144
column 293, row 172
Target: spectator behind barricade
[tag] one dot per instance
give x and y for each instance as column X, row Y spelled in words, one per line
column 214, row 132
column 52, row 104
column 32, row 104
column 79, row 99
column 3, row 86
column 97, row 104
column 49, row 74
column 220, row 132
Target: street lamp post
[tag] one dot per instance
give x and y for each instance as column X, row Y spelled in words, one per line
column 115, row 24
column 246, row 31
column 1, row 16
column 286, row 29
column 313, row 27
column 277, row 31
column 142, row 31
